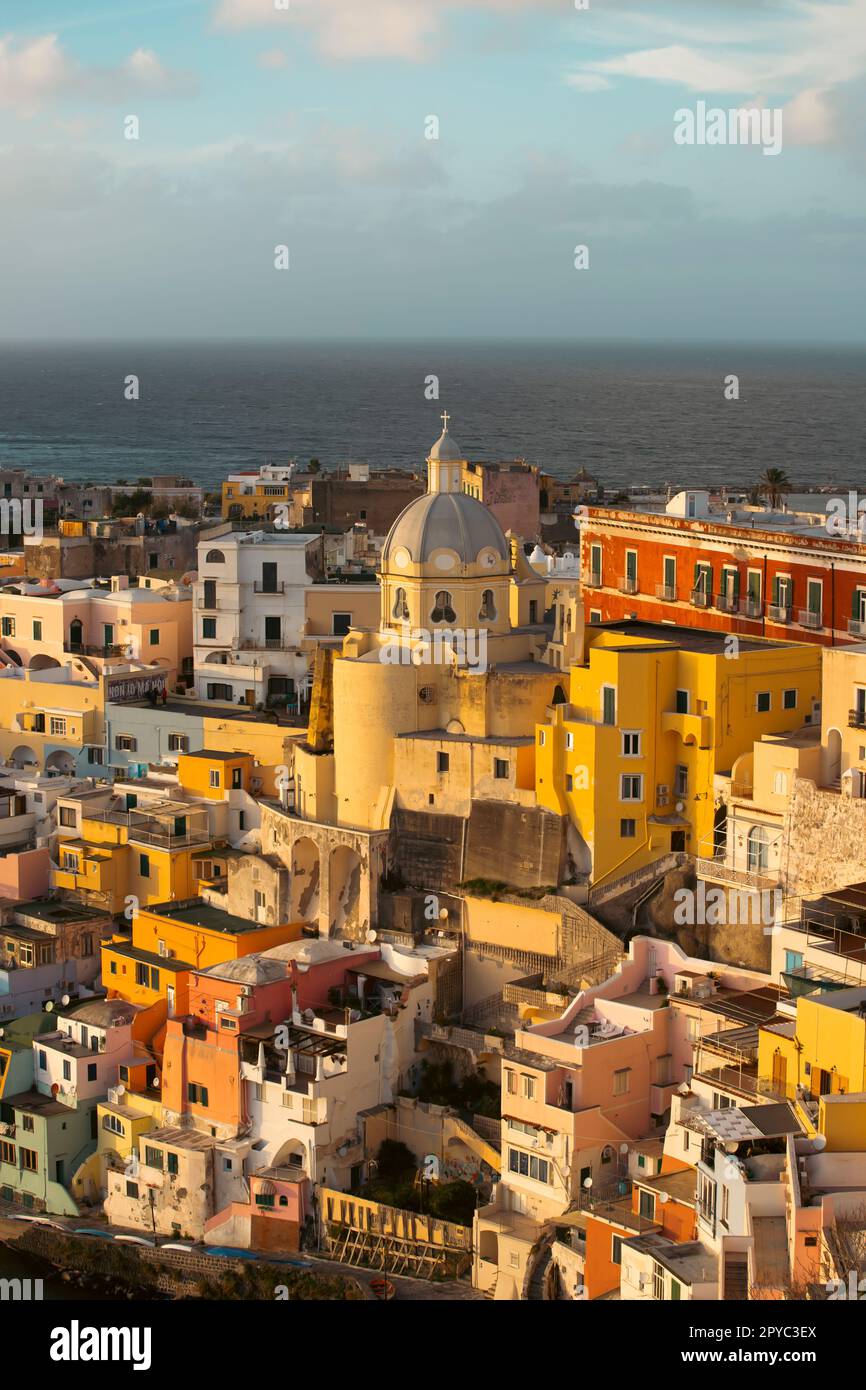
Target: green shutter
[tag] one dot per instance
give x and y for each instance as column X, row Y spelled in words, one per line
column 777, row 593
column 855, row 605
column 736, row 591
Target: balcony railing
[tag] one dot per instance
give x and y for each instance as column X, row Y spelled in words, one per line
column 591, row 580
column 700, row 598
column 751, row 608
column 806, row 618
column 857, row 719
column 276, row 586
column 165, row 839
column 780, row 612
column 87, row 649
column 667, row 592
column 726, row 603
column 857, row 627
column 627, row 585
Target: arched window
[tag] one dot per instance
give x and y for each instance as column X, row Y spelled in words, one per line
column 757, row 852
column 487, row 611
column 443, row 612
column 401, row 607
column 558, row 696
column 214, row 557
column 780, row 783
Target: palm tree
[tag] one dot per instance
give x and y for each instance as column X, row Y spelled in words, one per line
column 773, row 484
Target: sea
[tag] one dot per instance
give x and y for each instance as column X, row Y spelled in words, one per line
column 631, row 414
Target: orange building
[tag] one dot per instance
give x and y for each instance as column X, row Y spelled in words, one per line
column 747, row 570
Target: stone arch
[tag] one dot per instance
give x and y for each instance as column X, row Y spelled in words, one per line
column 23, row 756
column 60, row 761
column 293, row 1154
column 14, row 657
column 834, row 756
column 306, row 880
column 41, row 662
column 344, row 881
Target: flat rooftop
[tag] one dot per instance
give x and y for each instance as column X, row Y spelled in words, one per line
column 201, row 914
column 692, row 639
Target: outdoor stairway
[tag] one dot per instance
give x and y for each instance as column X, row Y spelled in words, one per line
column 736, row 1277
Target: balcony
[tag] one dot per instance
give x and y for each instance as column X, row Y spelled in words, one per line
column 592, row 580
column 666, row 592
column 727, row 603
column 857, row 627
column 700, row 599
column 627, row 585
column 857, row 719
column 166, row 839
column 692, row 728
column 717, row 871
column 806, row 618
column 86, row 649
column 276, row 586
column 780, row 613
column 751, row 608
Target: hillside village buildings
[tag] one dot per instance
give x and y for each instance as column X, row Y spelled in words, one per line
column 545, row 873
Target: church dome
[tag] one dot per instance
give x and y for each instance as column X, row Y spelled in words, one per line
column 445, row 450
column 443, row 521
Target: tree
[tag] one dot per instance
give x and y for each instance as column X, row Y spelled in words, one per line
column 773, row 484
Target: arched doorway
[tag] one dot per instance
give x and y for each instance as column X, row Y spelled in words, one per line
column 758, row 850
column 76, row 635
column 344, row 884
column 834, row 756
column 60, row 763
column 306, row 875
column 23, row 756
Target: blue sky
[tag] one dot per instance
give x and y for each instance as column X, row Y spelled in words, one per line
column 261, row 126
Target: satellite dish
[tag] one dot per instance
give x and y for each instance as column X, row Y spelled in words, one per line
column 680, row 807
column 663, row 1197
column 156, row 1082
column 120, row 1088
column 731, row 1146
column 371, row 936
column 49, row 1007
column 443, row 914
column 2, row 1032
column 684, row 1089
column 64, row 1000
column 587, row 1182
column 819, row 1143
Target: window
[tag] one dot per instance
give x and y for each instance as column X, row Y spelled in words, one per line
column 214, row 777
column 124, row 743
column 595, row 563
column 144, row 865
column 681, row 780
column 631, row 744
column 95, row 756
column 442, row 762
column 217, row 690
column 500, row 769
column 627, row 829
column 214, row 557
column 340, row 624
column 621, row 1081
column 608, row 704
column 7, row 1152
column 208, row 629
column 113, row 1124
column 196, row 1095
column 153, row 1158
column 67, row 1070
column 37, row 629
column 762, row 702
column 647, row 1205
column 154, row 636
column 528, row 1165
column 616, row 1250
column 487, row 611
column 789, row 699
column 443, row 611
column 8, row 627
column 29, row 1160
column 814, row 600
column 780, row 784
column 511, row 1083
column 43, row 1060
column 178, row 743
column 528, row 1087
column 67, row 815
column 27, row 1123
column 631, row 787
column 132, row 1190
column 91, row 1071
column 400, row 611
column 758, row 850
column 682, row 702
column 57, row 726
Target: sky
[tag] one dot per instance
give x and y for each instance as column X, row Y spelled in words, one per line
column 304, row 124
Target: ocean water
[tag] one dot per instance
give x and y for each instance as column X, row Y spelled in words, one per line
column 628, row 413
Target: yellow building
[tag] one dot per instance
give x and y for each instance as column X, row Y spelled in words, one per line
column 822, row 1054
column 255, row 494
column 50, row 717
column 653, row 713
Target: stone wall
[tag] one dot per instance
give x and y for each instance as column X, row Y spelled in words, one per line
column 825, row 840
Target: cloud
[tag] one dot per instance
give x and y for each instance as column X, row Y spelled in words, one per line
column 357, row 29
column 800, row 51
column 35, row 73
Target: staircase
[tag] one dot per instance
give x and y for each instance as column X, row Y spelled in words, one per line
column 736, row 1277
column 536, row 1290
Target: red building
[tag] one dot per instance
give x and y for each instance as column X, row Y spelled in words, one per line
column 750, row 571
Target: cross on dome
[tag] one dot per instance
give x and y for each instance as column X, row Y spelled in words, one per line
column 445, row 418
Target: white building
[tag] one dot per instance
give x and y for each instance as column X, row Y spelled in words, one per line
column 250, row 616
